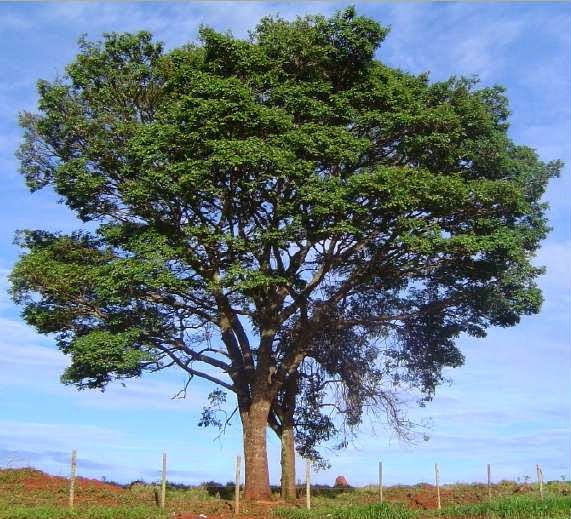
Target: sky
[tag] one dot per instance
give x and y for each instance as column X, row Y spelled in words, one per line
column 509, row 405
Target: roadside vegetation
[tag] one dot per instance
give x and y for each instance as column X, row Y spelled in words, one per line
column 31, row 494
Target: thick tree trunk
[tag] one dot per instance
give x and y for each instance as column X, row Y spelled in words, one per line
column 255, row 423
column 288, row 463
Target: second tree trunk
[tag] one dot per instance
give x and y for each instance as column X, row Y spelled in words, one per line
column 288, row 464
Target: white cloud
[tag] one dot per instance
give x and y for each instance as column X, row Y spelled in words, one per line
column 436, row 38
column 146, row 394
column 12, row 21
column 17, row 333
column 31, row 434
column 175, row 23
column 482, row 52
column 23, row 357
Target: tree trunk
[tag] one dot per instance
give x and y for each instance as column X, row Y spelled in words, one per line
column 288, row 439
column 288, row 463
column 255, row 422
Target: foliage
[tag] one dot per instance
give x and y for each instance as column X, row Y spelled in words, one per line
column 251, row 202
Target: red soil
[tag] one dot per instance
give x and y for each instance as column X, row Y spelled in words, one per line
column 423, row 497
column 229, row 515
column 38, row 480
column 30, row 486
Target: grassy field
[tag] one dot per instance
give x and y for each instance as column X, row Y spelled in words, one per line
column 552, row 507
column 31, row 494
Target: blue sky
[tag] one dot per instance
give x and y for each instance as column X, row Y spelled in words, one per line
column 508, row 406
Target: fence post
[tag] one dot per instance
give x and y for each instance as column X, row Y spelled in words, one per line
column 237, row 486
column 489, row 482
column 73, row 470
column 308, row 484
column 540, row 480
column 381, row 481
column 437, row 474
column 164, row 481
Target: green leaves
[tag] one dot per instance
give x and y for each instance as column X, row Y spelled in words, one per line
column 100, row 355
column 339, row 48
column 288, row 176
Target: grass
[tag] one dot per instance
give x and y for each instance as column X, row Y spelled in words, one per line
column 384, row 511
column 31, row 494
column 92, row 512
column 552, row 507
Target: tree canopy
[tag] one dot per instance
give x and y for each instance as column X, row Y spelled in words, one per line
column 242, row 196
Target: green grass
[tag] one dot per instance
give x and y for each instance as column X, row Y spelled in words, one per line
column 552, row 507
column 384, row 511
column 94, row 512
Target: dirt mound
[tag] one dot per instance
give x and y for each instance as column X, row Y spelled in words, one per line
column 31, row 487
column 33, row 479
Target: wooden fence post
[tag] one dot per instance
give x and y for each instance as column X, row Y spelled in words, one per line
column 237, row 486
column 73, row 471
column 437, row 474
column 540, row 480
column 308, row 484
column 489, row 482
column 164, row 481
column 381, row 481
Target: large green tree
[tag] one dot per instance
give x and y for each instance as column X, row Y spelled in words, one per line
column 240, row 196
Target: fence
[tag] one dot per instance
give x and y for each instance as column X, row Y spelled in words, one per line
column 161, row 500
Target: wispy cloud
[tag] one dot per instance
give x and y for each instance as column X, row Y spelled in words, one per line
column 25, row 360
column 29, row 458
column 24, row 435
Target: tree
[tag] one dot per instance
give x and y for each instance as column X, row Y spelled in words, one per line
column 236, row 189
